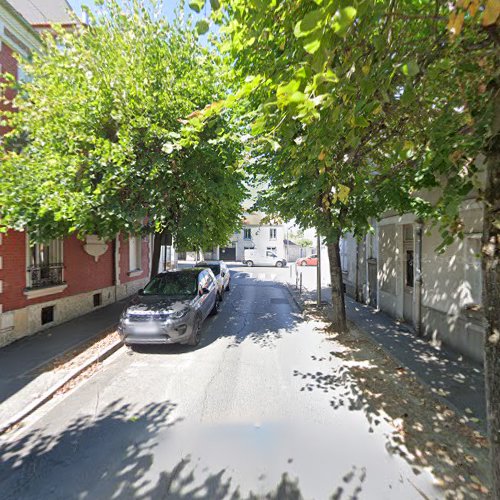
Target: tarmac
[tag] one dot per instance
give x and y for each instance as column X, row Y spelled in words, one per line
column 26, row 373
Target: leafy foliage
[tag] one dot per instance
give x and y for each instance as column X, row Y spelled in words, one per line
column 107, row 138
column 360, row 106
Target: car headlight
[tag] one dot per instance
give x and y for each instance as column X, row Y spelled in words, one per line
column 180, row 313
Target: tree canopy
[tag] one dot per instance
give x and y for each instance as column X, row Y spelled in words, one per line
column 106, row 138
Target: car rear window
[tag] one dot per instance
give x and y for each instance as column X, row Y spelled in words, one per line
column 214, row 267
column 172, row 284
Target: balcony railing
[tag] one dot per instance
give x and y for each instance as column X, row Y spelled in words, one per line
column 43, row 276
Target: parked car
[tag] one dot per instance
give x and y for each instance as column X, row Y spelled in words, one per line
column 254, row 257
column 171, row 308
column 311, row 260
column 221, row 273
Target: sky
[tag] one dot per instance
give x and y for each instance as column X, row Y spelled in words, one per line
column 168, row 6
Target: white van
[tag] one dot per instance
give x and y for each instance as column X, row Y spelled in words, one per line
column 262, row 258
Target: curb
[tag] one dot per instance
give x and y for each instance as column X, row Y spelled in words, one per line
column 37, row 403
column 298, row 302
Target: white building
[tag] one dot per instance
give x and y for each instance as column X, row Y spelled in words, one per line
column 256, row 233
column 398, row 270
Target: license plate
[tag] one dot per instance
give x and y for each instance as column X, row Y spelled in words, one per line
column 147, row 329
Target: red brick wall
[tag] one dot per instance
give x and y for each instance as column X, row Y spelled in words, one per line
column 81, row 272
column 9, row 65
column 124, row 260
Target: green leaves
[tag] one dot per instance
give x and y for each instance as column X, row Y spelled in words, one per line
column 202, row 26
column 312, row 21
column 410, row 68
column 196, row 5
column 144, row 139
column 343, row 19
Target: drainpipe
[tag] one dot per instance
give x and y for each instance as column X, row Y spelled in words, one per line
column 356, row 275
column 367, row 279
column 116, row 260
column 418, row 279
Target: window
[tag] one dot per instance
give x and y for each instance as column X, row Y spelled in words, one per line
column 135, row 253
column 97, row 299
column 272, row 233
column 45, row 264
column 247, row 234
column 47, row 315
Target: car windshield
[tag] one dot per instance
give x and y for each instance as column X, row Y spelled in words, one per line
column 173, row 284
column 214, row 267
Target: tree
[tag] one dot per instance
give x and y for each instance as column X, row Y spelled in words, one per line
column 107, row 139
column 341, row 103
column 358, row 105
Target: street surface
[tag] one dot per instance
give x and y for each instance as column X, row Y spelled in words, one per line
column 244, row 415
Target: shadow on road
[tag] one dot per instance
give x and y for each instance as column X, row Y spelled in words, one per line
column 256, row 311
column 112, row 455
column 359, row 377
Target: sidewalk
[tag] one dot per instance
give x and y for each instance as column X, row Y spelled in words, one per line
column 456, row 380
column 26, row 365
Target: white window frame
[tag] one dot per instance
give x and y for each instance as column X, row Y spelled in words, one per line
column 273, row 232
column 134, row 254
column 247, row 230
column 56, row 256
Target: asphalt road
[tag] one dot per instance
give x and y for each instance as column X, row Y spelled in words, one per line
column 253, row 412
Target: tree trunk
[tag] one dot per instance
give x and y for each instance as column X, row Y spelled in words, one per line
column 339, row 322
column 155, row 259
column 491, row 291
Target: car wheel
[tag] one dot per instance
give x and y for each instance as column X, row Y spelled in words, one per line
column 215, row 310
column 279, row 264
column 249, row 263
column 196, row 335
column 303, row 263
column 228, row 287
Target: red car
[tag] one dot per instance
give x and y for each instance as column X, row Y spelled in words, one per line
column 311, row 260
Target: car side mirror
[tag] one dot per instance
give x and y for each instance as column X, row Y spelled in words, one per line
column 141, row 291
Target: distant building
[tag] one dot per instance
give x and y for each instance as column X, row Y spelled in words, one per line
column 43, row 14
column 257, row 234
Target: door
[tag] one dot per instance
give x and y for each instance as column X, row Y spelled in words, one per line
column 372, row 280
column 228, row 254
column 408, row 274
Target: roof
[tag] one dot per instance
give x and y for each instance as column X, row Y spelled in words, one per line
column 45, row 12
column 258, row 219
column 9, row 6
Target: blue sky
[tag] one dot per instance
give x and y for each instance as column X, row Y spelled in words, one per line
column 168, row 6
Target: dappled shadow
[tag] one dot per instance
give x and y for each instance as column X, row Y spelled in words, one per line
column 450, row 376
column 258, row 311
column 112, row 449
column 359, row 377
column 183, row 483
column 116, row 455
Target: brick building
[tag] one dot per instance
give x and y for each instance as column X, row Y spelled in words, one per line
column 46, row 284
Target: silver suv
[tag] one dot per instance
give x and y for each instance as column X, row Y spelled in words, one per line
column 171, row 308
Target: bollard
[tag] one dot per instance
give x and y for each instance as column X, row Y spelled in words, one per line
column 301, row 283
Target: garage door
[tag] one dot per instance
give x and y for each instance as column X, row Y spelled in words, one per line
column 228, row 253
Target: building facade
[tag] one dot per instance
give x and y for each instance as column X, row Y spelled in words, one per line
column 256, row 234
column 438, row 295
column 42, row 285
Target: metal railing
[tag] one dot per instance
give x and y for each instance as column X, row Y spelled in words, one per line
column 42, row 276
